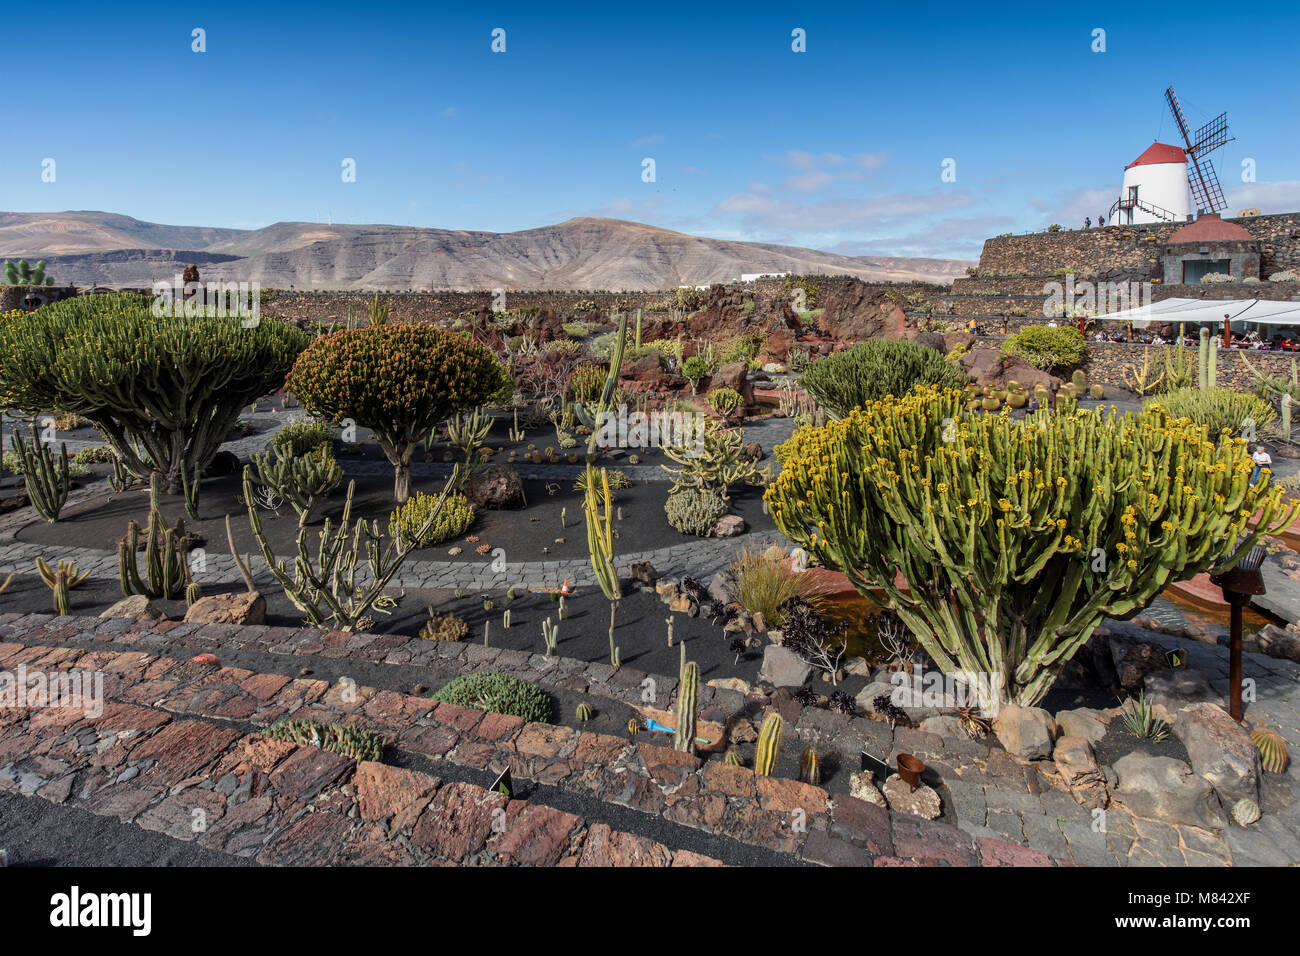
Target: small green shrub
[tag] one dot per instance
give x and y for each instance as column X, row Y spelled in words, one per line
column 1218, row 409
column 454, row 520
column 350, row 741
column 578, row 330
column 725, row 401
column 498, row 693
column 302, row 438
column 695, row 511
column 1215, row 278
column 1047, row 348
column 694, row 369
column 871, row 370
column 444, row 627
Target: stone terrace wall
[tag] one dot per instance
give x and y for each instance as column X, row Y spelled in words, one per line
column 1135, row 249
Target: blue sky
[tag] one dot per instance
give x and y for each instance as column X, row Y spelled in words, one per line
column 837, row 148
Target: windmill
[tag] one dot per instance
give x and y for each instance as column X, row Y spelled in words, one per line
column 1201, row 177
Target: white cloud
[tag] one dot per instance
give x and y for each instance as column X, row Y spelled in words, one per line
column 1267, row 197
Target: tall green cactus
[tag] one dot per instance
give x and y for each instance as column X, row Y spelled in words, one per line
column 590, row 416
column 688, row 694
column 20, row 273
column 600, row 547
column 45, row 476
column 769, row 744
column 550, row 636
column 166, row 556
column 636, row 341
column 1002, row 544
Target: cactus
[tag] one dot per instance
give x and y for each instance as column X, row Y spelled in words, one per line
column 600, row 546
column 505, row 619
column 769, row 743
column 192, row 593
column 589, row 416
column 47, row 481
column 550, row 636
column 1286, row 416
column 633, row 727
column 1096, row 391
column 810, row 768
column 1079, row 380
column 120, row 478
column 991, row 404
column 167, row 572
column 303, row 479
column 60, row 581
column 21, row 273
column 1273, row 754
column 583, row 713
column 636, row 341
column 732, row 758
column 8, row 581
column 564, row 518
column 1144, row 485
column 669, row 621
column 688, row 692
column 487, row 627
column 1245, row 812
column 561, row 611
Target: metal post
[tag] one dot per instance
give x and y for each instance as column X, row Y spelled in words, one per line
column 1234, row 660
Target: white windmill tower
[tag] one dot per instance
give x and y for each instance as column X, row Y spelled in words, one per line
column 1162, row 183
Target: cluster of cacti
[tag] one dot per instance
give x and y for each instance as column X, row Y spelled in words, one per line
column 453, row 518
column 583, row 713
column 1218, row 410
column 688, row 693
column 600, row 546
column 725, row 401
column 120, row 478
column 164, row 392
column 21, row 273
column 303, row 480
column 444, row 627
column 695, row 511
column 468, row 431
column 769, row 744
column 1142, row 380
column 719, row 462
column 166, row 551
column 378, row 311
column 45, row 474
column 498, row 693
column 60, row 581
column 398, row 380
column 1273, row 754
column 324, row 586
column 981, row 531
column 550, row 636
column 810, row 767
column 347, row 741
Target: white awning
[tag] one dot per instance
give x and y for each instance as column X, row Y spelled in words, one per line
column 1173, row 311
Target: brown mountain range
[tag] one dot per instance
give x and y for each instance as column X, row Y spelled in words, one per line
column 96, row 248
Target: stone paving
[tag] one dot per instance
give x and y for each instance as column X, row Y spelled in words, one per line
column 176, row 743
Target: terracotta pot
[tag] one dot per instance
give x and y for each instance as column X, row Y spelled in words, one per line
column 910, row 769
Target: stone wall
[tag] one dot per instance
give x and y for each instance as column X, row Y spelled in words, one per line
column 15, row 296
column 1131, row 249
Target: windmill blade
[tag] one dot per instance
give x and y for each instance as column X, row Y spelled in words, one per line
column 1207, row 195
column 1172, row 99
column 1211, row 136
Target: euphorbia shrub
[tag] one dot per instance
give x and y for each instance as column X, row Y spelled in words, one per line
column 1015, row 538
column 163, row 391
column 399, row 380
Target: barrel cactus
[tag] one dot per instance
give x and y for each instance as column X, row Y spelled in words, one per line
column 994, row 525
column 1273, row 754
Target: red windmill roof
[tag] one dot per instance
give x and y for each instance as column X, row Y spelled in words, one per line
column 1210, row 228
column 1159, row 153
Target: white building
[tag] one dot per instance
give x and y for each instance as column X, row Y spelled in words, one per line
column 1155, row 188
column 755, row 276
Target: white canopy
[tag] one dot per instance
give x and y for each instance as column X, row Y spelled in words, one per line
column 1191, row 311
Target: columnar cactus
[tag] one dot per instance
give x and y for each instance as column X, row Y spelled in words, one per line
column 688, row 693
column 550, row 636
column 769, row 744
column 600, row 546
column 60, row 581
column 810, row 766
column 1014, row 539
column 167, row 571
column 46, row 476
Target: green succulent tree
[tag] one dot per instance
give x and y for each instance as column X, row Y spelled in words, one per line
column 163, row 391
column 1013, row 539
column 399, row 380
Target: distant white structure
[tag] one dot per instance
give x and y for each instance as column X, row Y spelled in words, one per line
column 755, row 276
column 1154, row 189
